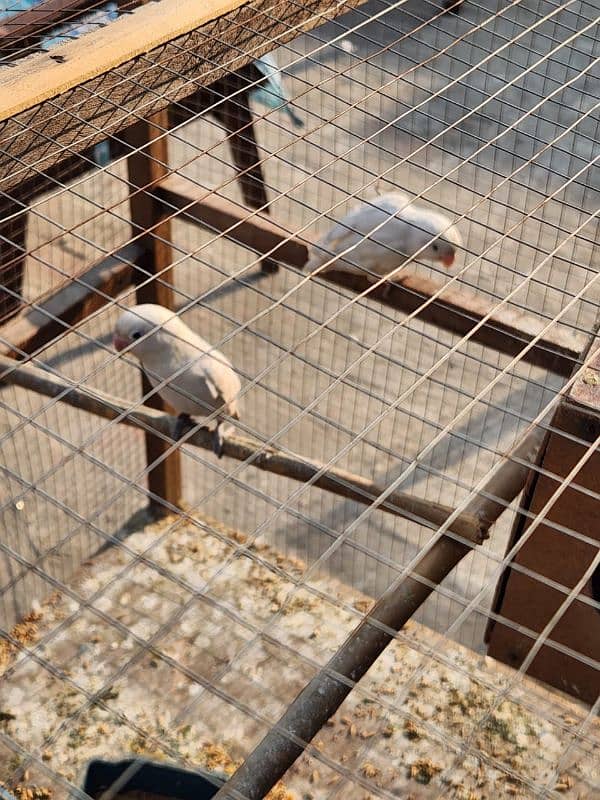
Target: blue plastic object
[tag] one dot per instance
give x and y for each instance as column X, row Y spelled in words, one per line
column 270, row 92
column 64, row 32
column 150, row 776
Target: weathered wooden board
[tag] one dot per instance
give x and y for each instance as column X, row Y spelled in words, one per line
column 136, row 66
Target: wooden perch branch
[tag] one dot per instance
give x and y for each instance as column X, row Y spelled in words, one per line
column 267, row 458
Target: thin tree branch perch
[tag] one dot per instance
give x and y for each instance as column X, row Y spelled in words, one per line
column 264, row 457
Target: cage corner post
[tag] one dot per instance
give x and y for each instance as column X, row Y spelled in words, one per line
column 147, row 165
column 558, row 553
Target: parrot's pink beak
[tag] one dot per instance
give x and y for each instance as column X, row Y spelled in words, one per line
column 448, row 260
column 119, row 343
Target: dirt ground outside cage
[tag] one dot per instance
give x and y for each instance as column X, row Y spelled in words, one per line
column 35, row 520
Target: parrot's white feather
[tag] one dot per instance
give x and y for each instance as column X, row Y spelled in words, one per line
column 383, row 234
column 202, row 378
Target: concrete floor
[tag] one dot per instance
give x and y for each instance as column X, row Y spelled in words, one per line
column 73, row 480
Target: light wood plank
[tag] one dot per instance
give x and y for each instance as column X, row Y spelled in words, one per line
column 46, row 75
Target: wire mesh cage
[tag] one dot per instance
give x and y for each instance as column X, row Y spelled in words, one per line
column 409, row 495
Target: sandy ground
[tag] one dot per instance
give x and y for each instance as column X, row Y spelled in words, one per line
column 186, row 646
column 73, row 481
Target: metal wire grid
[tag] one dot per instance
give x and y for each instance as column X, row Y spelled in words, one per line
column 361, row 326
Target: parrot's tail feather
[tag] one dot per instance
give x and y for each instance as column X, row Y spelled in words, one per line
column 296, row 120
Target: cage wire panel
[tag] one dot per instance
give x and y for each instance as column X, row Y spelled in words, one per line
column 185, row 639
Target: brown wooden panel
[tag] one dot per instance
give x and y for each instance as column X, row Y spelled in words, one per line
column 555, row 555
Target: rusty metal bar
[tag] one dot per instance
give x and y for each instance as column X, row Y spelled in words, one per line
column 327, row 690
column 146, row 166
column 456, row 309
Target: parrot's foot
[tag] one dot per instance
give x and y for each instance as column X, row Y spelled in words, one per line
column 218, row 440
column 184, row 422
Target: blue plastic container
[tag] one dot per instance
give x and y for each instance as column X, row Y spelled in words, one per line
column 154, row 777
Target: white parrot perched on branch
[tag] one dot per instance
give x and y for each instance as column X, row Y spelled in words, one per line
column 383, row 234
column 202, row 378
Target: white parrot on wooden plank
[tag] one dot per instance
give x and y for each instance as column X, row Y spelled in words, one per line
column 383, row 234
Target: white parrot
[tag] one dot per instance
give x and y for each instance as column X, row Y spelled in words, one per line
column 406, row 230
column 203, row 378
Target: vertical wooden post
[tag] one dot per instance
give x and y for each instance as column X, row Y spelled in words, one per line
column 236, row 117
column 145, row 169
column 229, row 101
column 12, row 258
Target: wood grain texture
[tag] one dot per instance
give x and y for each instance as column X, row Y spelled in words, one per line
column 147, row 165
column 86, row 106
column 455, row 309
column 33, row 80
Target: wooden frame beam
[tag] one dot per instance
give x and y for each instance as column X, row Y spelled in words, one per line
column 147, row 165
column 70, row 304
column 137, row 65
column 455, row 309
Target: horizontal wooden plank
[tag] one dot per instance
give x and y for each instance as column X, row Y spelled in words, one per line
column 456, row 309
column 146, row 60
column 73, row 302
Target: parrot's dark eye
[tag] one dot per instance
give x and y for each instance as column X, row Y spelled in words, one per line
column 136, row 335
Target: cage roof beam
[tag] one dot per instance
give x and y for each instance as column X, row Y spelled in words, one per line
column 54, row 104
